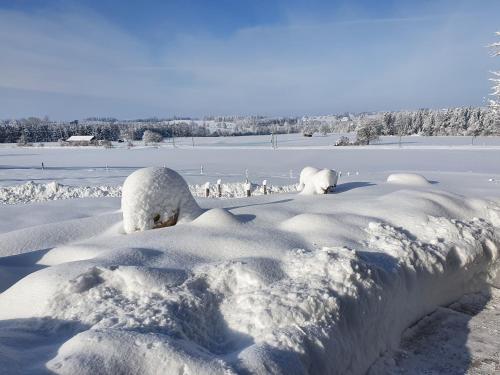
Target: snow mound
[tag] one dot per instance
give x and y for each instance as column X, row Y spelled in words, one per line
column 156, row 197
column 216, row 217
column 408, row 179
column 314, row 181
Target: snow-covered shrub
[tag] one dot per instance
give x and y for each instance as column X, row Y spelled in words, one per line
column 305, row 174
column 150, row 136
column 314, row 181
column 156, row 197
column 343, row 141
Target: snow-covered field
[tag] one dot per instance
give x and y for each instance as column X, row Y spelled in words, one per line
column 282, row 283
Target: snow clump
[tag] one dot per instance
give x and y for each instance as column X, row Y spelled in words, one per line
column 315, row 181
column 156, row 197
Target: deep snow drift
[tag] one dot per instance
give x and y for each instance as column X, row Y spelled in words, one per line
column 283, row 284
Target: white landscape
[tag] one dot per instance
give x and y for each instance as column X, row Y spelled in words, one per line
column 280, row 283
column 279, row 187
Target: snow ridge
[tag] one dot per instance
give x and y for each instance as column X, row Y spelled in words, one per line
column 39, row 192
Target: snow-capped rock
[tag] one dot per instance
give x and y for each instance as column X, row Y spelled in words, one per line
column 156, row 197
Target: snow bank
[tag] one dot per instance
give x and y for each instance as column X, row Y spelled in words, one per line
column 156, row 197
column 408, row 179
column 35, row 192
column 315, row 181
column 239, row 189
column 40, row 192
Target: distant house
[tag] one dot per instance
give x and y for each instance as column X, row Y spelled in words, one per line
column 81, row 140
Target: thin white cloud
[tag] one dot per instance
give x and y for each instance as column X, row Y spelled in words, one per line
column 364, row 64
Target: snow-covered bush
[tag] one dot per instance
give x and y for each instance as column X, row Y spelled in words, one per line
column 150, row 136
column 343, row 141
column 305, row 174
column 156, row 197
column 315, row 181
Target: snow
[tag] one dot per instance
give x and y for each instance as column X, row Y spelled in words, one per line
column 315, row 181
column 40, row 192
column 305, row 174
column 156, row 197
column 36, row 192
column 408, row 179
column 283, row 283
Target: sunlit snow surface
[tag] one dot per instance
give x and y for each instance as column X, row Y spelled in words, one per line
column 282, row 283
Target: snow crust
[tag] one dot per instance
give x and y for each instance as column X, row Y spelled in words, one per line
column 156, row 197
column 316, row 181
column 408, row 179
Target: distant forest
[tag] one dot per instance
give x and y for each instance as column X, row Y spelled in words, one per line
column 470, row 121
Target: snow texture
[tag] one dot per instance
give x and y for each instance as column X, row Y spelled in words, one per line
column 156, row 197
column 316, row 181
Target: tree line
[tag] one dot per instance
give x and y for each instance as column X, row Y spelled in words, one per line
column 470, row 121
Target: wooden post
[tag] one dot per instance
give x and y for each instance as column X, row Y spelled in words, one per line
column 219, row 188
column 207, row 189
column 264, row 186
column 248, row 186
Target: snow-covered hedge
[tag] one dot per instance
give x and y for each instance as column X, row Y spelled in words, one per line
column 156, row 197
column 314, row 181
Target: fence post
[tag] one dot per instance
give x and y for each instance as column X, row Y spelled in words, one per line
column 219, row 187
column 248, row 186
column 264, row 185
column 207, row 189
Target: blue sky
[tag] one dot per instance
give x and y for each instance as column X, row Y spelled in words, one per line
column 131, row 59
